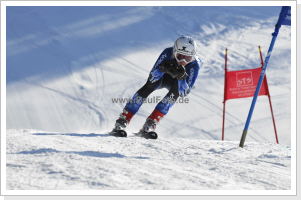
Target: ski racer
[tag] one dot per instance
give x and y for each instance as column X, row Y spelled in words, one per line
column 176, row 69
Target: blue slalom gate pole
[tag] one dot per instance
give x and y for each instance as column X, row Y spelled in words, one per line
column 284, row 12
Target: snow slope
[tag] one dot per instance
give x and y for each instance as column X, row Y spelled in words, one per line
column 98, row 161
column 66, row 64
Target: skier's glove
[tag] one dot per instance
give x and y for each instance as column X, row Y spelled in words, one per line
column 182, row 74
column 184, row 89
column 172, row 68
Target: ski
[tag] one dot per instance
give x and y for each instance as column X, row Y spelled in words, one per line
column 118, row 133
column 147, row 135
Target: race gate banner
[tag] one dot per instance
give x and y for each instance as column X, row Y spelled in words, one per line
column 242, row 83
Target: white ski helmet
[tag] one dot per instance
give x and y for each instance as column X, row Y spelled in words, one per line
column 184, row 49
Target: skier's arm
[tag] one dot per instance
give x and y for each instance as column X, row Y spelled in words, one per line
column 156, row 73
column 185, row 86
column 172, row 68
column 193, row 74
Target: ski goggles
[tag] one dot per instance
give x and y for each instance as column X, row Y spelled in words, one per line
column 180, row 58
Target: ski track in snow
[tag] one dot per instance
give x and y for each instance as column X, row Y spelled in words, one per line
column 99, row 161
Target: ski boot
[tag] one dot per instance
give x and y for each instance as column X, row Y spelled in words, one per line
column 121, row 123
column 148, row 129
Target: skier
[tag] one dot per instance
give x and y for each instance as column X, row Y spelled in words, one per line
column 177, row 70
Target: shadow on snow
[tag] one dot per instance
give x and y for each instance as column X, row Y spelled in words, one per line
column 75, row 134
column 81, row 153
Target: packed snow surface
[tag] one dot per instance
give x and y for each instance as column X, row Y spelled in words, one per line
column 63, row 161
